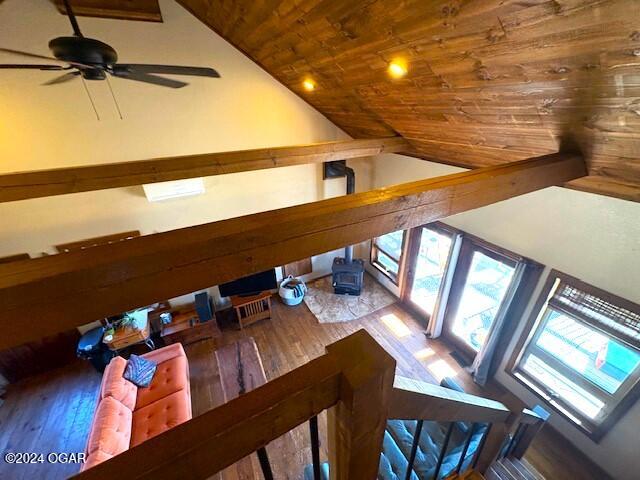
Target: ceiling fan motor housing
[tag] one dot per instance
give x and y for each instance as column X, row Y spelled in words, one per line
column 87, row 51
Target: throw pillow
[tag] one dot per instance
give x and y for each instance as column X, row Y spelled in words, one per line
column 140, row 371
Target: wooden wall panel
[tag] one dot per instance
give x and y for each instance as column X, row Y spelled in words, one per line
column 298, row 268
column 489, row 82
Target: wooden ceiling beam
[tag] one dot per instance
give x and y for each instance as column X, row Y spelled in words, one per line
column 60, row 181
column 145, row 10
column 606, row 186
column 45, row 295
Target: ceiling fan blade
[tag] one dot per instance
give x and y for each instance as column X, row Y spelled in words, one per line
column 146, row 78
column 62, row 78
column 170, row 69
column 44, row 57
column 33, row 67
column 30, row 55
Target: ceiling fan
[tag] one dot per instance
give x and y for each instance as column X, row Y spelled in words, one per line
column 93, row 60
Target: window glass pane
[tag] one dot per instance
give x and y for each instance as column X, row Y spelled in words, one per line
column 564, row 388
column 389, row 264
column 486, row 284
column 391, row 243
column 430, row 265
column 598, row 358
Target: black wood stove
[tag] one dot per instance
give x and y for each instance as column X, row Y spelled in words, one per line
column 347, row 272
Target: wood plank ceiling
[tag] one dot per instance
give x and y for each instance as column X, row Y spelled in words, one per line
column 489, row 81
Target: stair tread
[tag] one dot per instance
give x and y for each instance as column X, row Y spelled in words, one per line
column 491, row 474
column 531, row 469
column 516, row 469
column 503, row 472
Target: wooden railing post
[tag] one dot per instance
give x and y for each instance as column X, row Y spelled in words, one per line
column 533, row 427
column 357, row 422
column 495, row 441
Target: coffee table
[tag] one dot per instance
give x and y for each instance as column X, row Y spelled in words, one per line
column 241, row 371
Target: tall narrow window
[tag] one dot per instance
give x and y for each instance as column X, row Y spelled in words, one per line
column 482, row 294
column 386, row 254
column 429, row 268
column 483, row 275
column 583, row 352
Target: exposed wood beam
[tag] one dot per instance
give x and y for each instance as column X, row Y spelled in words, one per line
column 146, row 10
column 16, row 257
column 606, row 186
column 59, row 181
column 54, row 293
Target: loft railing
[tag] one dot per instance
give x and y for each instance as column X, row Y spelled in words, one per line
column 354, row 380
column 505, row 433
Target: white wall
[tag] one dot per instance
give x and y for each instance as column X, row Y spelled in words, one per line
column 55, row 126
column 594, row 238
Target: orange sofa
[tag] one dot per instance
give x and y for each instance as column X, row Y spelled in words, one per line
column 127, row 415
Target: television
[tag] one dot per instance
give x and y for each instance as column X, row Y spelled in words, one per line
column 256, row 283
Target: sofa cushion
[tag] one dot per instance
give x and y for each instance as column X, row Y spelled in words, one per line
column 94, row 459
column 111, row 429
column 116, row 386
column 171, row 376
column 160, row 416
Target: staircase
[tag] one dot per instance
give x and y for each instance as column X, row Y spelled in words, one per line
column 398, row 445
column 511, row 468
column 428, row 450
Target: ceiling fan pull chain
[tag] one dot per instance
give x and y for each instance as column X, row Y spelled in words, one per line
column 86, row 89
column 114, row 98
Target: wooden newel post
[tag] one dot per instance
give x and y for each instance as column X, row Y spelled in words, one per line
column 529, row 434
column 495, row 441
column 356, row 424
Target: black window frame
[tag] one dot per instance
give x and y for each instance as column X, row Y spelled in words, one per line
column 628, row 392
column 373, row 258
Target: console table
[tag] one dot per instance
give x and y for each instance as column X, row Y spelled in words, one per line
column 129, row 335
column 186, row 328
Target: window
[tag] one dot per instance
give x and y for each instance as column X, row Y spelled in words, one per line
column 583, row 353
column 482, row 293
column 386, row 254
column 483, row 276
column 434, row 247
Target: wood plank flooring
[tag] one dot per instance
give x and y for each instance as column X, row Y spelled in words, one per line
column 52, row 412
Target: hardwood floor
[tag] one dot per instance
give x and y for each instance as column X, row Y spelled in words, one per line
column 52, row 412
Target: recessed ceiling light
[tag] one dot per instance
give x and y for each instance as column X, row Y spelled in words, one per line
column 397, row 69
column 309, row 85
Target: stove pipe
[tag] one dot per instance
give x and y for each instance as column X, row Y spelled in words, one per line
column 351, row 188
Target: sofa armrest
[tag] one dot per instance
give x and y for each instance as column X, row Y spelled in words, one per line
column 165, row 353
